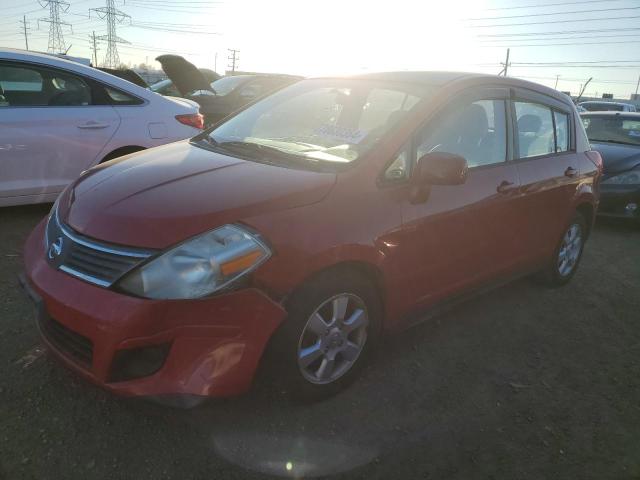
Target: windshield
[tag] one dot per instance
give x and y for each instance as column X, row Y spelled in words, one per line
column 326, row 120
column 225, row 85
column 160, row 85
column 614, row 129
column 602, row 107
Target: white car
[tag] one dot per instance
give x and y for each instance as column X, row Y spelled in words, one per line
column 58, row 118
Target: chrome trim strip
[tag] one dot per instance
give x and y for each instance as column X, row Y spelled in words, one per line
column 85, row 277
column 95, row 246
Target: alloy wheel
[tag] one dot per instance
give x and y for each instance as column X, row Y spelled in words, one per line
column 570, row 250
column 333, row 338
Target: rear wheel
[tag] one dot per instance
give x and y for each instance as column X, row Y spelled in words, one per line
column 567, row 255
column 333, row 324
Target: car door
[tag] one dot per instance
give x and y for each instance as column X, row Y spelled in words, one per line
column 52, row 127
column 463, row 235
column 548, row 167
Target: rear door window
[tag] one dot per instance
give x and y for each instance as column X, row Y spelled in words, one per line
column 34, row 86
column 534, row 129
column 562, row 131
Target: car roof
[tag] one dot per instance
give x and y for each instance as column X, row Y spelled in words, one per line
column 603, row 102
column 55, row 61
column 442, row 78
column 611, row 113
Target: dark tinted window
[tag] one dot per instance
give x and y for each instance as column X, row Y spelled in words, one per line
column 118, row 97
column 476, row 131
column 27, row 85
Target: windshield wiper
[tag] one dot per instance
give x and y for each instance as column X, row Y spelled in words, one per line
column 252, row 148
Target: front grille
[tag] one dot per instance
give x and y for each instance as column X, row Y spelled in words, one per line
column 67, row 341
column 93, row 261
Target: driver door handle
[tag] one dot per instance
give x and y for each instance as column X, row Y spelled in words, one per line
column 504, row 187
column 93, row 126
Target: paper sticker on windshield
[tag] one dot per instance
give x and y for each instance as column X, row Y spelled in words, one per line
column 342, row 134
column 634, row 133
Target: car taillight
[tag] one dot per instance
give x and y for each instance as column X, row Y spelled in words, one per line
column 195, row 120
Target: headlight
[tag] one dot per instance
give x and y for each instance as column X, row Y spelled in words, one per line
column 631, row 177
column 199, row 266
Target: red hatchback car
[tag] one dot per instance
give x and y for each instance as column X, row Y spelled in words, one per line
column 306, row 225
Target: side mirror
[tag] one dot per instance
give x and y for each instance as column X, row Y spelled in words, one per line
column 437, row 168
column 441, row 168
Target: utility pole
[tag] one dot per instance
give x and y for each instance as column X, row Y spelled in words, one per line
column 233, row 58
column 56, row 38
column 94, row 48
column 506, row 65
column 215, row 63
column 113, row 16
column 556, row 85
column 638, row 84
column 25, row 27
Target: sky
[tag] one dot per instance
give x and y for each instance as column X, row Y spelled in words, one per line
column 550, row 40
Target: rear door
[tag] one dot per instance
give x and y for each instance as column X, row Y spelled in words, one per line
column 463, row 235
column 53, row 125
column 548, row 167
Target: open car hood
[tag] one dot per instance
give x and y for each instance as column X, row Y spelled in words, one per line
column 184, row 75
column 126, row 74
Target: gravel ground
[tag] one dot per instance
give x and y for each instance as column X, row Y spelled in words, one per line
column 523, row 382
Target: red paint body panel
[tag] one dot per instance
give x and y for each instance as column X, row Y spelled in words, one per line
column 216, row 342
column 460, row 238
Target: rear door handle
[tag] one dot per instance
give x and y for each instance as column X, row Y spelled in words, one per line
column 93, row 126
column 504, row 187
column 570, row 172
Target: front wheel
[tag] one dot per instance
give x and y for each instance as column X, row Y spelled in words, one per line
column 567, row 255
column 332, row 325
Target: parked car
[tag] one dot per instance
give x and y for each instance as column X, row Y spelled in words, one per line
column 221, row 97
column 307, row 225
column 58, row 118
column 617, row 137
column 166, row 86
column 595, row 106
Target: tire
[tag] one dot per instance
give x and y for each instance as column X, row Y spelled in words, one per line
column 310, row 337
column 567, row 255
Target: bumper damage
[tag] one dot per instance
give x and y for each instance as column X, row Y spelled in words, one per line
column 140, row 347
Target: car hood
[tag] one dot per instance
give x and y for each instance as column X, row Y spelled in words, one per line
column 162, row 196
column 617, row 158
column 184, row 75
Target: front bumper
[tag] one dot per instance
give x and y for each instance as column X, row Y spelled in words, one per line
column 213, row 344
column 616, row 199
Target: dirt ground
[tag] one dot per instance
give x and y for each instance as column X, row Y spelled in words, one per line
column 521, row 383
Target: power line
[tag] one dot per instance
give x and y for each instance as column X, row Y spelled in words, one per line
column 546, row 14
column 555, row 21
column 632, row 35
column 561, row 44
column 539, row 5
column 564, row 32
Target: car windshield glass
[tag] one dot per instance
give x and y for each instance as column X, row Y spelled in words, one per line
column 160, row 85
column 324, row 120
column 226, row 85
column 603, row 107
column 614, row 129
